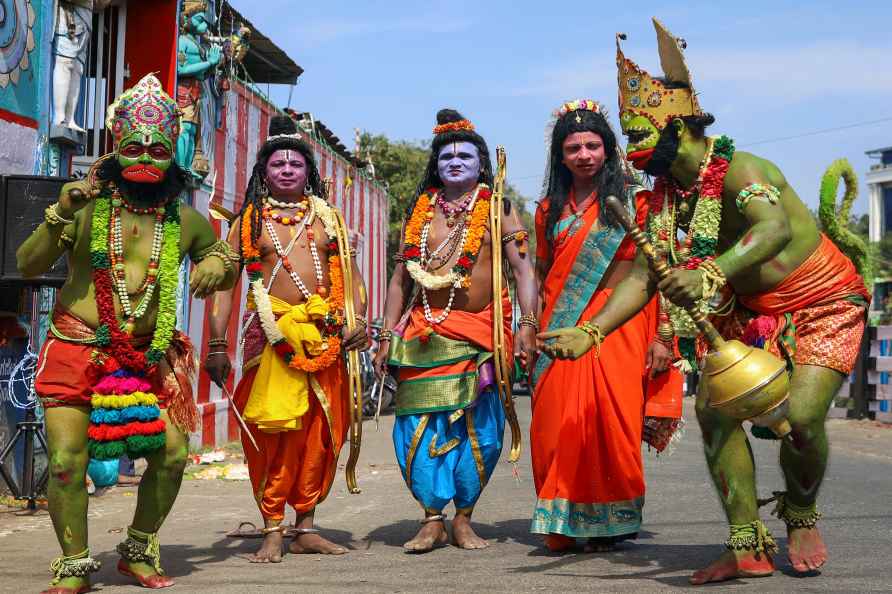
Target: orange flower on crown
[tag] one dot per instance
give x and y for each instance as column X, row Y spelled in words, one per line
column 454, row 127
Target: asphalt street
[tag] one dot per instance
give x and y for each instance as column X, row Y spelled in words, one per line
column 683, row 529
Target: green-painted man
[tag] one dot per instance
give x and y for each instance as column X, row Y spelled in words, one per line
column 744, row 248
column 114, row 374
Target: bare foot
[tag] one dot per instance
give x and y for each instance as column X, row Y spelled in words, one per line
column 599, row 545
column 735, row 564
column 432, row 535
column 309, row 543
column 463, row 536
column 271, row 549
column 558, row 543
column 806, row 549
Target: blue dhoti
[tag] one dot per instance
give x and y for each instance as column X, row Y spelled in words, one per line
column 450, row 421
column 445, row 460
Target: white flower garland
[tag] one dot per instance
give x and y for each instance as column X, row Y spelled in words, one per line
column 265, row 312
column 326, row 215
column 433, row 282
column 261, row 296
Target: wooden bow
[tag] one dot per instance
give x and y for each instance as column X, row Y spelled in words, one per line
column 501, row 358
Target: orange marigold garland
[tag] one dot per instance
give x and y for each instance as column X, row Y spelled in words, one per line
column 422, row 215
column 330, row 325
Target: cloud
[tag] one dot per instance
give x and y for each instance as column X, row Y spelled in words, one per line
column 785, row 74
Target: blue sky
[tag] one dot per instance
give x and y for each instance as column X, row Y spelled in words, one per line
column 766, row 70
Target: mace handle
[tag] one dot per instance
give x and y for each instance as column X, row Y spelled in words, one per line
column 658, row 266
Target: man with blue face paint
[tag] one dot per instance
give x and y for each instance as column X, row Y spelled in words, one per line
column 439, row 330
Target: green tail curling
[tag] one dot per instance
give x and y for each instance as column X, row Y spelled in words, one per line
column 835, row 220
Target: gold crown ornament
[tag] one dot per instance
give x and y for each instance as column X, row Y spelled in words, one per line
column 655, row 98
column 191, row 7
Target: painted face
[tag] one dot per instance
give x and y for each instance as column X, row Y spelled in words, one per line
column 583, row 154
column 145, row 160
column 199, row 23
column 286, row 173
column 458, row 164
column 643, row 137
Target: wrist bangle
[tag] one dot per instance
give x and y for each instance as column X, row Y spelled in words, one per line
column 218, row 353
column 594, row 331
column 385, row 335
column 218, row 342
column 529, row 319
column 53, row 218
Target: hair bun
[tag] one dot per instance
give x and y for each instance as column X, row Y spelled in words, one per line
column 447, row 116
column 282, row 125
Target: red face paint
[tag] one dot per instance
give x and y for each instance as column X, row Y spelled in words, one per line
column 641, row 158
column 143, row 174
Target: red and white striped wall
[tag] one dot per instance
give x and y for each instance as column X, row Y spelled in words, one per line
column 362, row 200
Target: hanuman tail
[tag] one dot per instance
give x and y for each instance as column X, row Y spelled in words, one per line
column 835, row 220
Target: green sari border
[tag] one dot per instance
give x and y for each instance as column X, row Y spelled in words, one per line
column 587, row 520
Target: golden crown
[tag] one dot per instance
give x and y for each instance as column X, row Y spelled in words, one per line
column 191, row 7
column 659, row 100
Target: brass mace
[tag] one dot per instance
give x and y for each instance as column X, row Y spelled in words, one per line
column 746, row 383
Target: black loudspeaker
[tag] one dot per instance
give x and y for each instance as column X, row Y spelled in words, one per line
column 24, row 199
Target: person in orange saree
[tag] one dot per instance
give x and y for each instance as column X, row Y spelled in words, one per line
column 588, row 417
column 293, row 391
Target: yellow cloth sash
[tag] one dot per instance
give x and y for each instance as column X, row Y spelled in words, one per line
column 280, row 394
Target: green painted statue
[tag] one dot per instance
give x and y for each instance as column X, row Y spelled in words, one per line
column 745, row 250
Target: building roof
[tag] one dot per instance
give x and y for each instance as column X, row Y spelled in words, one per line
column 265, row 62
column 878, row 152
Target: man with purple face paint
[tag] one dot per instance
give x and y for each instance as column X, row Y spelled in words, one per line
column 293, row 392
column 439, row 330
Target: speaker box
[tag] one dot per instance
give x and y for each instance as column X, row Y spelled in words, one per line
column 24, row 199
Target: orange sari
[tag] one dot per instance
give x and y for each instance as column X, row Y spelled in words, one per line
column 588, row 414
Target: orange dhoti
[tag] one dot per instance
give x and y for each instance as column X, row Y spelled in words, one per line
column 816, row 316
column 297, row 466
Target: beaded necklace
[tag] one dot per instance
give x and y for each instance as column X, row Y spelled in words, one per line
column 119, row 270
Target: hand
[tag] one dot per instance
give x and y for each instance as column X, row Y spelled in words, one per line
column 215, row 54
column 659, row 357
column 358, row 340
column 218, row 367
column 206, row 277
column 381, row 356
column 683, row 287
column 568, row 343
column 74, row 196
column 525, row 347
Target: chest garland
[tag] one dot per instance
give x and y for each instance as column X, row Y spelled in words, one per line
column 332, row 322
column 468, row 220
column 669, row 204
column 125, row 415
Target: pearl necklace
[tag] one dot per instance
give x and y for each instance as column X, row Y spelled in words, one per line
column 280, row 204
column 428, row 314
column 283, row 256
column 119, row 269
